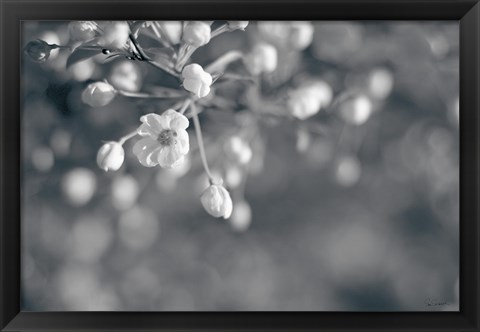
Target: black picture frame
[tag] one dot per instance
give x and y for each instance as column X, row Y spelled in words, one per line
column 467, row 12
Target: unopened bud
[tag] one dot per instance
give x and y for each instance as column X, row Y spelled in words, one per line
column 82, row 30
column 38, row 50
column 217, row 201
column 110, row 157
column 196, row 80
column 197, row 33
column 237, row 25
column 98, row 94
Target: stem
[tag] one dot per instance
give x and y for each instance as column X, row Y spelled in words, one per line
column 222, row 62
column 185, row 106
column 125, row 138
column 142, row 95
column 185, row 53
column 219, row 30
column 201, row 147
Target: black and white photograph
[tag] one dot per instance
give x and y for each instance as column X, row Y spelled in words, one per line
column 240, row 166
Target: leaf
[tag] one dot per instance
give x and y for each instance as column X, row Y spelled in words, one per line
column 81, row 54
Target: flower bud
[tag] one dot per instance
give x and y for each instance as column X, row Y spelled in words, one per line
column 356, row 110
column 262, row 59
column 307, row 100
column 196, row 80
column 38, row 50
column 197, row 33
column 237, row 25
column 110, row 157
column 82, row 30
column 238, row 150
column 115, row 35
column 98, row 94
column 217, row 201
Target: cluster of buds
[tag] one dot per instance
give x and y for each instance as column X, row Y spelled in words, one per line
column 163, row 139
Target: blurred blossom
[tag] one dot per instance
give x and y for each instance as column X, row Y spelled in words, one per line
column 196, row 33
column 348, row 171
column 439, row 45
column 90, row 238
column 337, row 41
column 294, row 34
column 303, row 140
column 241, row 216
column 356, row 110
column 125, row 191
column 196, row 80
column 80, row 289
column 308, row 99
column 216, row 201
column 238, row 150
column 115, row 35
column 82, row 30
column 233, row 176
column 60, row 142
column 43, row 159
column 126, row 76
column 141, row 287
column 98, row 94
column 138, row 228
column 110, row 156
column 79, row 186
column 83, row 70
column 167, row 178
column 165, row 140
column 261, row 59
column 380, row 83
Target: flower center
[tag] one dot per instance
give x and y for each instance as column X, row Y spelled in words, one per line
column 167, row 137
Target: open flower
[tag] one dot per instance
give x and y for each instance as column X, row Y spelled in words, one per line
column 196, row 80
column 197, row 33
column 110, row 157
column 82, row 30
column 165, row 140
column 98, row 94
column 217, row 201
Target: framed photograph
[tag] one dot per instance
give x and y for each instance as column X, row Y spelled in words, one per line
column 239, row 165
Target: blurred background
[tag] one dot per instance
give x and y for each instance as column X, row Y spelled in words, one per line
column 334, row 215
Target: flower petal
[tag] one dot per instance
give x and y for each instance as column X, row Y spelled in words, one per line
column 145, row 157
column 168, row 156
column 176, row 120
column 182, row 141
column 155, row 122
column 146, row 143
